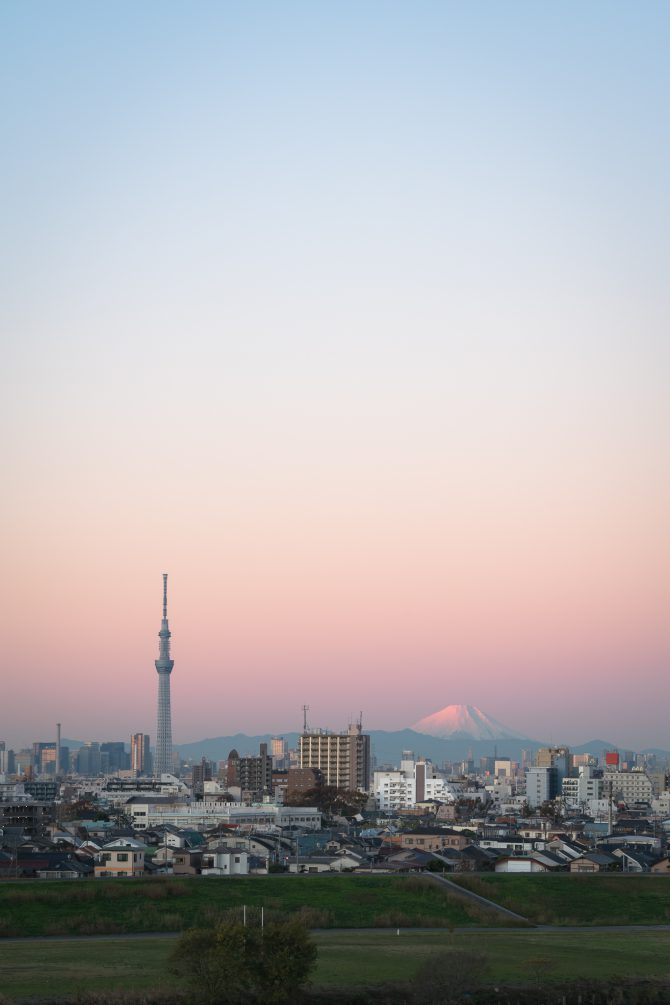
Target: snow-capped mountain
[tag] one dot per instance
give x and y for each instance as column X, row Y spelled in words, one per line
column 460, row 721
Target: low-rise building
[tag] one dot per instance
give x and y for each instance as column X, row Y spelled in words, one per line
column 433, row 839
column 119, row 860
column 149, row 813
column 223, row 861
column 593, row 861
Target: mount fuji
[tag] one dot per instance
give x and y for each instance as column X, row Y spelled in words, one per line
column 460, row 722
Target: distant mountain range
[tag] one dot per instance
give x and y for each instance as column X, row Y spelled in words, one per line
column 387, row 746
column 462, row 731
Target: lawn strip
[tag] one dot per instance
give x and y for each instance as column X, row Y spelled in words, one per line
column 39, row 969
column 565, row 899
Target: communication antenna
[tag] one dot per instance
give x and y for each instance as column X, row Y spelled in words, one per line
column 305, row 710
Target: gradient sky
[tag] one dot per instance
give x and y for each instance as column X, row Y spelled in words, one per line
column 352, row 318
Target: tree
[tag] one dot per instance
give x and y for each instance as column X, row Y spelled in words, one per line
column 235, row 964
column 84, row 809
column 331, row 800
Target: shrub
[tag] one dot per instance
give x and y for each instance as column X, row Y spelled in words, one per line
column 238, row 964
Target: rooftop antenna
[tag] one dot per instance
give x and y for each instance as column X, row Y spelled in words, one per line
column 305, row 710
column 360, row 721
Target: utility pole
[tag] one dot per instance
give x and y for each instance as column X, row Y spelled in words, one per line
column 609, row 810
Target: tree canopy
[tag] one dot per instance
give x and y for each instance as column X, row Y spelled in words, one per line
column 331, row 800
column 238, row 964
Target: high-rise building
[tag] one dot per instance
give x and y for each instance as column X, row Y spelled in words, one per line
column 88, row 759
column 542, row 785
column 7, row 760
column 279, row 753
column 117, row 757
column 164, row 665
column 342, row 758
column 252, row 774
column 140, row 753
column 201, row 773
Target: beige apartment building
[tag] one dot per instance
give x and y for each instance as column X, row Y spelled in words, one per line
column 342, row 758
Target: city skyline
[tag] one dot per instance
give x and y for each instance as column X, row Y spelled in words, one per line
column 354, row 320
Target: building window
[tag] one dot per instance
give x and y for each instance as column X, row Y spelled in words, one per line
column 122, row 856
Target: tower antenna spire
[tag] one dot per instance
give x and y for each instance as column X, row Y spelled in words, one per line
column 165, row 576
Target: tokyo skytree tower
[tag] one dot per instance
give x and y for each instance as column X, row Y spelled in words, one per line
column 164, row 665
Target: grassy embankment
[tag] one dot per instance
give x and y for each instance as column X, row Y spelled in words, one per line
column 167, row 905
column 45, row 969
column 578, row 900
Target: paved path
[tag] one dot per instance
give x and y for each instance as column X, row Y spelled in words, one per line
column 535, row 930
column 464, row 894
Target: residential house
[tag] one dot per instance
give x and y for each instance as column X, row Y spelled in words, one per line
column 120, row 860
column 433, row 839
column 224, row 861
column 593, row 861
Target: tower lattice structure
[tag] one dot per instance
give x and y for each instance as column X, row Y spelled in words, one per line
column 164, row 665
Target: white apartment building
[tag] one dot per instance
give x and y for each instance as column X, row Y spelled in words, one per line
column 414, row 782
column 579, row 791
column 628, row 786
column 540, row 783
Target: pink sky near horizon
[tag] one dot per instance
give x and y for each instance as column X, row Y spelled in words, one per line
column 360, row 334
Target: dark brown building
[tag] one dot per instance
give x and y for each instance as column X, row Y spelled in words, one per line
column 251, row 774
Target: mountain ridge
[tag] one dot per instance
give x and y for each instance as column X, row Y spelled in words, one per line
column 388, row 745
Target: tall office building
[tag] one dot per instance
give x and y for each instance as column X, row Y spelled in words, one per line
column 140, row 753
column 342, row 758
column 117, row 759
column 164, row 665
column 279, row 753
column 88, row 760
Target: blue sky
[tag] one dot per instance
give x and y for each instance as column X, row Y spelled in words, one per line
column 364, row 305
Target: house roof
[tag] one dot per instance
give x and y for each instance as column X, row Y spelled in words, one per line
column 598, row 857
column 433, row 832
column 223, row 849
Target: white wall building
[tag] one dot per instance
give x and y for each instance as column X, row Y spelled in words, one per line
column 578, row 791
column 414, row 782
column 205, row 813
column 224, row 861
column 628, row 786
column 538, row 786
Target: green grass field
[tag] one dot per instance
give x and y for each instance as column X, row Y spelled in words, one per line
column 578, row 900
column 161, row 905
column 41, row 969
